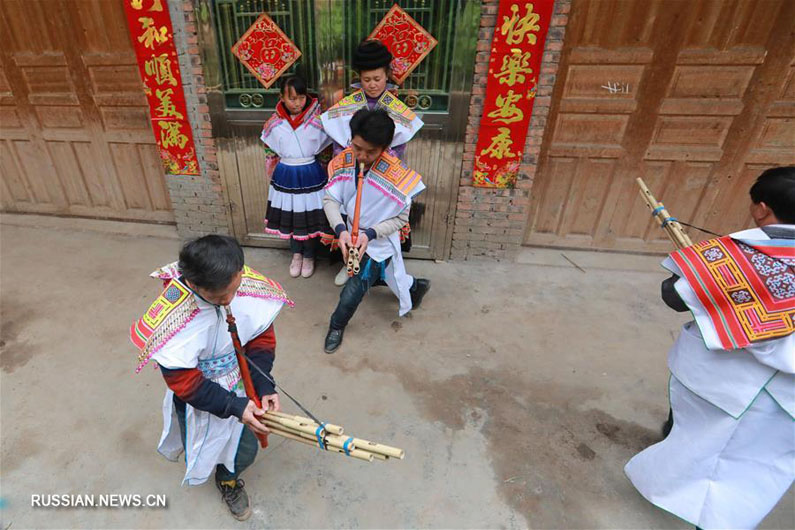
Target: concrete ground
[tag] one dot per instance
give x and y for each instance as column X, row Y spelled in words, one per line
column 518, row 390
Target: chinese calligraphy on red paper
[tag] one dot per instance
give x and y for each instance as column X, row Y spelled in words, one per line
column 153, row 39
column 510, row 90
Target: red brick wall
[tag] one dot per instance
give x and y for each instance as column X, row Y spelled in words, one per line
column 198, row 201
column 491, row 222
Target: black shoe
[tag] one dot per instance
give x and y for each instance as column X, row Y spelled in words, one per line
column 236, row 498
column 333, row 339
column 669, row 424
column 418, row 291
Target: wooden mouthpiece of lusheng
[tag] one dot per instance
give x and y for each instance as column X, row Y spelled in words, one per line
column 330, row 427
column 381, row 449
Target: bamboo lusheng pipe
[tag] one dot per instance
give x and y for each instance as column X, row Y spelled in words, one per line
column 354, row 453
column 360, row 443
column 381, row 449
column 671, row 226
column 308, row 427
column 331, row 439
column 330, row 427
column 353, row 253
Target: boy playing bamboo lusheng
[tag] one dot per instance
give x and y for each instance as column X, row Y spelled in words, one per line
column 374, row 90
column 388, row 189
column 730, row 454
column 205, row 410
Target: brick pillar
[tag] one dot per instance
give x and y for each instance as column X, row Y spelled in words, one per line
column 491, row 222
column 198, row 201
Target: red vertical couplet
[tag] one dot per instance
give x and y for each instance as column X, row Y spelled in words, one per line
column 153, row 39
column 514, row 64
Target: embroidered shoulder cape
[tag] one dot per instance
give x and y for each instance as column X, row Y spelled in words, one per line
column 389, row 175
column 176, row 307
column 336, row 120
column 745, row 289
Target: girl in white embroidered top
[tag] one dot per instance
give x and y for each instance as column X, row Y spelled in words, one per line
column 295, row 195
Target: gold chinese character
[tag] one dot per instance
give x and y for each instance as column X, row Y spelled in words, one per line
column 515, row 29
column 166, row 109
column 151, row 33
column 507, row 111
column 157, row 5
column 500, row 145
column 159, row 66
column 514, row 67
column 171, row 136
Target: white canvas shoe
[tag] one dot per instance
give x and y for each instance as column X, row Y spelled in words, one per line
column 295, row 265
column 341, row 277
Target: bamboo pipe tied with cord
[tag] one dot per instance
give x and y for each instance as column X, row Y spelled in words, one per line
column 670, row 224
column 308, row 431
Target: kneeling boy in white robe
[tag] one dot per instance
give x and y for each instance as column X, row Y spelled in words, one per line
column 205, row 410
column 388, row 189
column 730, row 455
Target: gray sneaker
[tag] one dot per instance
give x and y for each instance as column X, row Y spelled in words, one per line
column 235, row 497
column 341, row 277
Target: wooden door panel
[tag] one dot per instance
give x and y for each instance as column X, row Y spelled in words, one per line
column 704, row 107
column 74, row 114
column 12, row 176
column 69, row 173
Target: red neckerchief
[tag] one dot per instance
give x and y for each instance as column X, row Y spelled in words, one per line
column 294, row 121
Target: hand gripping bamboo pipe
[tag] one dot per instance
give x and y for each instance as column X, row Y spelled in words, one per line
column 671, row 226
column 308, row 431
column 353, row 253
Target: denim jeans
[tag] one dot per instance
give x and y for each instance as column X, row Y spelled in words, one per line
column 307, row 248
column 246, row 450
column 355, row 288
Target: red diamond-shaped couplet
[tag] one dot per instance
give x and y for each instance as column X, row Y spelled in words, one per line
column 265, row 50
column 408, row 42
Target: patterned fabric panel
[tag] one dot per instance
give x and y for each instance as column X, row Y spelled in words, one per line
column 746, row 287
column 388, row 174
column 167, row 272
column 397, row 173
column 257, row 285
column 397, row 110
column 348, row 105
column 170, row 312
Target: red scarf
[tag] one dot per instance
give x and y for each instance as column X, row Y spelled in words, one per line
column 297, row 120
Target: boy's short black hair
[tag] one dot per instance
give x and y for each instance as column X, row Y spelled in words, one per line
column 296, row 82
column 371, row 54
column 373, row 126
column 211, row 262
column 776, row 188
